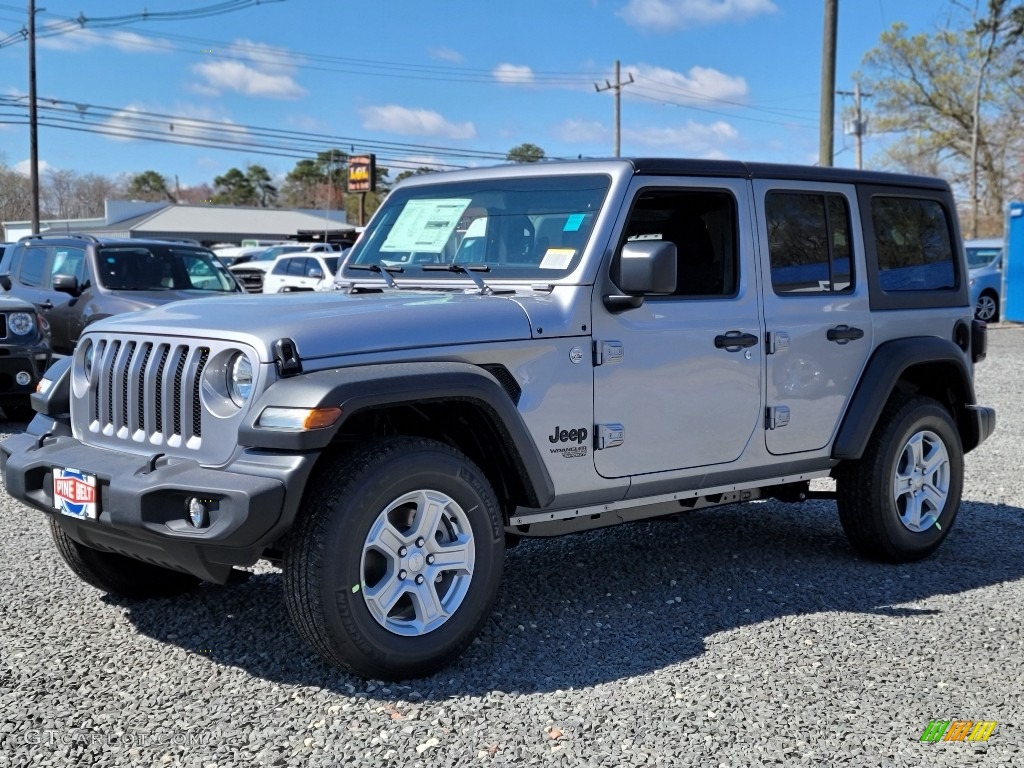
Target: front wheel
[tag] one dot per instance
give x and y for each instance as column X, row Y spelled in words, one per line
column 899, row 500
column 394, row 565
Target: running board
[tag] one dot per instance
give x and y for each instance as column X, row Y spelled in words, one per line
column 557, row 522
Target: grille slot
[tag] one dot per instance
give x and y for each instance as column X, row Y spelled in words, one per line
column 197, row 413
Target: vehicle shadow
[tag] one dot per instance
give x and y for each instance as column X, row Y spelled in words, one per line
column 596, row 607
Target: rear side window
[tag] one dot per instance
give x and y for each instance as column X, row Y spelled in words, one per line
column 281, row 267
column 297, row 267
column 809, row 243
column 913, row 245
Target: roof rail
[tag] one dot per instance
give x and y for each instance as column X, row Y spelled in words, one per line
column 61, row 236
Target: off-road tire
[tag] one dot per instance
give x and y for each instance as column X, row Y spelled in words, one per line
column 324, row 577
column 865, row 489
column 116, row 574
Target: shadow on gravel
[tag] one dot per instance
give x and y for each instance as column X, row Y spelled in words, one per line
column 597, row 607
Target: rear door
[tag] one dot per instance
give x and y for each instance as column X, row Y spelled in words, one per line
column 818, row 323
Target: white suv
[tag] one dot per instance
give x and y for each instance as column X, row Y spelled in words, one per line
column 301, row 272
column 252, row 273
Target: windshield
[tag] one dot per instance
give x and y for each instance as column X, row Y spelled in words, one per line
column 529, row 228
column 982, row 257
column 162, row 268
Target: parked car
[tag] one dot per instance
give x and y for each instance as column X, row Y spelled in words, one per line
column 251, row 272
column 24, row 355
column 985, row 272
column 631, row 339
column 301, row 272
column 75, row 280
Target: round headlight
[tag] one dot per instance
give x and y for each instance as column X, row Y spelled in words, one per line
column 240, row 379
column 90, row 348
column 21, row 323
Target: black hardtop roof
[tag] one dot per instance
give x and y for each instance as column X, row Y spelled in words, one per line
column 734, row 168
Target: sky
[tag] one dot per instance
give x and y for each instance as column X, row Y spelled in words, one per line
column 454, row 83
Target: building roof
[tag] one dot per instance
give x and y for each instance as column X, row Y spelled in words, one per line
column 204, row 222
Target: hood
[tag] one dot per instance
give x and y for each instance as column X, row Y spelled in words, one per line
column 333, row 324
column 129, row 301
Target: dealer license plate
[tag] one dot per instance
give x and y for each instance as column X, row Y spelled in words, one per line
column 74, row 493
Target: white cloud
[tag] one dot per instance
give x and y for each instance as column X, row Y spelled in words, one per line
column 24, row 168
column 580, row 131
column 669, row 15
column 196, row 125
column 413, row 122
column 447, row 54
column 78, row 38
column 513, row 74
column 271, row 59
column 226, row 75
column 691, row 138
column 697, row 86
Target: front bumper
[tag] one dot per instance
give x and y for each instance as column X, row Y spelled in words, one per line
column 33, row 359
column 142, row 510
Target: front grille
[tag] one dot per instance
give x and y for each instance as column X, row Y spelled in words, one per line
column 3, row 325
column 147, row 392
column 251, row 279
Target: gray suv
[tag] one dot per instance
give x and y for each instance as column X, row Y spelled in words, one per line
column 522, row 352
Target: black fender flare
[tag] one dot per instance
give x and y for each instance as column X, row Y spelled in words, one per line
column 359, row 388
column 883, row 371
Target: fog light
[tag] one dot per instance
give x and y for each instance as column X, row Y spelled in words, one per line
column 196, row 513
column 23, row 378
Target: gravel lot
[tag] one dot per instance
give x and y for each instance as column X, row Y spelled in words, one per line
column 738, row 636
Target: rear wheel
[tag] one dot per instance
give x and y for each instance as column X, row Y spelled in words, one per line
column 899, row 501
column 117, row 574
column 395, row 565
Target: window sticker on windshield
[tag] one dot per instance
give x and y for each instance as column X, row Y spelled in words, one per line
column 574, row 222
column 425, row 225
column 557, row 258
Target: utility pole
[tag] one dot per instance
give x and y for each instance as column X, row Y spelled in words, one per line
column 617, row 88
column 827, row 109
column 33, row 123
column 858, row 126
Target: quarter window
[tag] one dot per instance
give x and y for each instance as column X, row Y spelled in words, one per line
column 915, row 251
column 809, row 243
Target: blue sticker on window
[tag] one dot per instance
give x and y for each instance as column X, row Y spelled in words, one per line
column 573, row 222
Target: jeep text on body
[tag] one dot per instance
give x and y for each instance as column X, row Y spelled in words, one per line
column 522, row 351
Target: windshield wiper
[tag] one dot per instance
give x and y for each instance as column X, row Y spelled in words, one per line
column 384, row 272
column 469, row 271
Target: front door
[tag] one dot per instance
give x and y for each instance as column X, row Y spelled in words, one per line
column 816, row 309
column 682, row 373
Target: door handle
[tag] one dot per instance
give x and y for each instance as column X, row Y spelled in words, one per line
column 733, row 341
column 46, row 304
column 841, row 334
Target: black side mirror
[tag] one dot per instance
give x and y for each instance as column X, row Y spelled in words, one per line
column 5, row 281
column 66, row 284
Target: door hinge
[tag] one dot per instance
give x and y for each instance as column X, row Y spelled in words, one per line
column 776, row 416
column 776, row 341
column 608, row 352
column 609, row 436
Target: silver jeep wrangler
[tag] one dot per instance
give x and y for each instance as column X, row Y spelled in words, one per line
column 521, row 351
